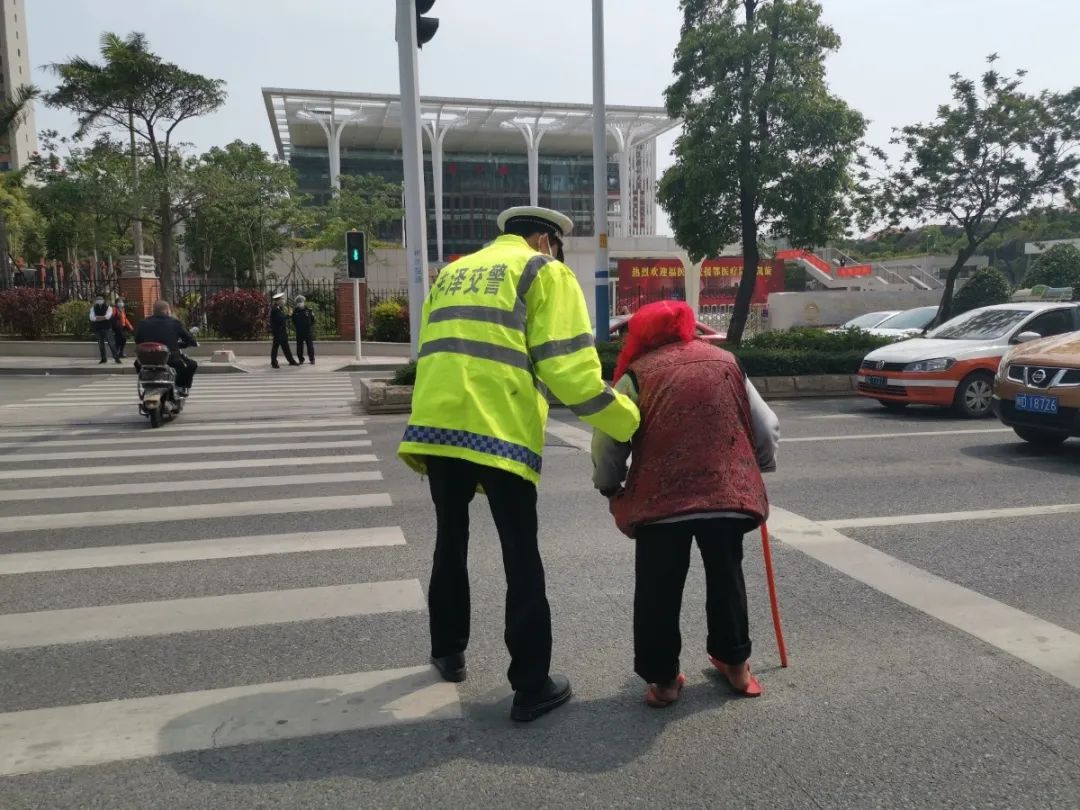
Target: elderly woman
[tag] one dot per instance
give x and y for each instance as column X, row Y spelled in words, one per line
column 695, row 473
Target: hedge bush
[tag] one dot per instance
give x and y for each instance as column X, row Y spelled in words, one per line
column 986, row 286
column 772, row 354
column 29, row 312
column 238, row 314
column 73, row 320
column 810, row 339
column 390, row 322
column 1057, row 267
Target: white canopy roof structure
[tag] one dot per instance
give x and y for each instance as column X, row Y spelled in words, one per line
column 374, row 122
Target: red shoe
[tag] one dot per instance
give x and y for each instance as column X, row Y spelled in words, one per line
column 753, row 689
column 653, row 699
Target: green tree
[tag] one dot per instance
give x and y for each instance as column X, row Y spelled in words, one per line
column 242, row 213
column 1057, row 267
column 364, row 203
column 986, row 286
column 765, row 147
column 992, row 154
column 135, row 90
column 13, row 111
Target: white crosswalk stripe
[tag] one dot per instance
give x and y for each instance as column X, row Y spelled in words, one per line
column 200, row 450
column 141, row 536
column 192, row 466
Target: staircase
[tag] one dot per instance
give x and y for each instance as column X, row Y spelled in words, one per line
column 839, row 271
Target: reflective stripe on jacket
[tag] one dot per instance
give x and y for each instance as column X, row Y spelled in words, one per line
column 500, row 328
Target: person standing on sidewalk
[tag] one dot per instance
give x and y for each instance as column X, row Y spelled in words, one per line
column 695, row 473
column 304, row 325
column 279, row 329
column 500, row 328
column 121, row 326
column 101, row 319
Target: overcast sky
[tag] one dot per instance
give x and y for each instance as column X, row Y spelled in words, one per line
column 893, row 66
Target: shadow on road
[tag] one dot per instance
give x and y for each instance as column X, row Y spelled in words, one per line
column 587, row 737
column 1013, row 452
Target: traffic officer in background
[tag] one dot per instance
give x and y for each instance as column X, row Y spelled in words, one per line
column 500, row 328
column 279, row 330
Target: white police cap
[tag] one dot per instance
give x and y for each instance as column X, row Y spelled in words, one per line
column 545, row 219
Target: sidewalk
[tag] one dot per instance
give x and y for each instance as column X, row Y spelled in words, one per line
column 90, row 366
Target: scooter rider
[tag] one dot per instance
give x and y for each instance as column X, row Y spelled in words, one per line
column 162, row 327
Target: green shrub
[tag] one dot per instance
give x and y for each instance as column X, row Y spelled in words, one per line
column 1058, row 267
column 29, row 312
column 770, row 362
column 406, row 375
column 72, row 319
column 390, row 322
column 238, row 314
column 808, row 338
column 986, row 287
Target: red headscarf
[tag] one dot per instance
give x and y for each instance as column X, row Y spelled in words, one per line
column 653, row 326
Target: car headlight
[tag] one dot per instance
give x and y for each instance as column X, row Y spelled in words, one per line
column 937, row 364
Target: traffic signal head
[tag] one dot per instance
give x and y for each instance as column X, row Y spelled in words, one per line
column 356, row 254
column 425, row 26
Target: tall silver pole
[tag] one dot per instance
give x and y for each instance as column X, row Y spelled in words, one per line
column 600, row 173
column 412, row 157
column 136, row 227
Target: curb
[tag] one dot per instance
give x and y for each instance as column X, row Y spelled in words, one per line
column 380, row 397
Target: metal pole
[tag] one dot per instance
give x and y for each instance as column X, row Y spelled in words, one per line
column 136, row 227
column 356, row 315
column 600, row 173
column 412, row 157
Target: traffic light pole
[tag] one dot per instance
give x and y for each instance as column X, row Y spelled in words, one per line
column 356, row 316
column 412, row 158
column 600, row 226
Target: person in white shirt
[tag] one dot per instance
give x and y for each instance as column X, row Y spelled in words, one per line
column 101, row 318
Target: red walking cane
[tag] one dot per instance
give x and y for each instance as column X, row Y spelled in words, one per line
column 772, row 595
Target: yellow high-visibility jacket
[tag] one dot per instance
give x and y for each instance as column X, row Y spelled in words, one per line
column 500, row 328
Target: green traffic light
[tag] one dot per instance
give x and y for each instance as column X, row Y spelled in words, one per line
column 356, row 254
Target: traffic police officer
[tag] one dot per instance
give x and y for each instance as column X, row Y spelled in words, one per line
column 279, row 330
column 501, row 328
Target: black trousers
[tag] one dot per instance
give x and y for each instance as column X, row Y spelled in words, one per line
column 661, row 563
column 104, row 337
column 120, row 339
column 281, row 341
column 301, row 342
column 512, row 500
column 185, row 369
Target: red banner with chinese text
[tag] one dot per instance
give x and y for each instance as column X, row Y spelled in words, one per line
column 644, row 280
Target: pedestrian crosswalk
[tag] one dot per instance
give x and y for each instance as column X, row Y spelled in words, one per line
column 302, row 390
column 224, row 535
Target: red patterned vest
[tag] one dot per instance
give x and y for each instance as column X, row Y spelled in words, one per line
column 694, row 451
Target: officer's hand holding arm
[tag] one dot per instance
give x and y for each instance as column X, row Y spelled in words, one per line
column 561, row 348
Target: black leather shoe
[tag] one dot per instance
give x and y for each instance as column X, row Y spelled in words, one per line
column 530, row 705
column 451, row 667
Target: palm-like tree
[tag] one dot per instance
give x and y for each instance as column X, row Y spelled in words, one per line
column 13, row 111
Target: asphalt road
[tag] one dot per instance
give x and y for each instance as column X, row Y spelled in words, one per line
column 265, row 649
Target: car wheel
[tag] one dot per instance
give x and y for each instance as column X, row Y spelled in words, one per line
column 1041, row 438
column 974, row 395
column 891, row 405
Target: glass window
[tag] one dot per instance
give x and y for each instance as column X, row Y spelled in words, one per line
column 910, row 319
column 981, row 324
column 1055, row 322
column 866, row 321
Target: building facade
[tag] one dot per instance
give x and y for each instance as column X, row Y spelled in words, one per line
column 480, row 157
column 16, row 147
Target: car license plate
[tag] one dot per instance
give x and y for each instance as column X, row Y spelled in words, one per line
column 1036, row 403
column 872, row 379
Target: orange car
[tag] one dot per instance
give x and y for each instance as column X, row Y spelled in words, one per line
column 1037, row 390
column 954, row 365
